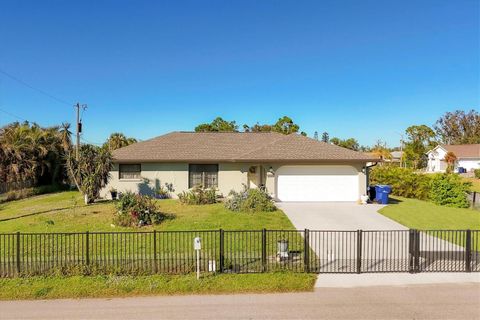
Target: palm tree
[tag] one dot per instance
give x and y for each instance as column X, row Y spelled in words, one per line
column 118, row 140
column 380, row 150
column 65, row 136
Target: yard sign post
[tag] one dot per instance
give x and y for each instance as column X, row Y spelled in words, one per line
column 197, row 245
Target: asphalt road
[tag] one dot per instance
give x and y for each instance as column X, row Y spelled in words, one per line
column 450, row 301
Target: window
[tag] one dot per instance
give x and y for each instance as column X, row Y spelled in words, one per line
column 129, row 171
column 203, row 175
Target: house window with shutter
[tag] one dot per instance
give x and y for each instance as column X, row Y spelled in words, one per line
column 203, row 175
column 130, row 171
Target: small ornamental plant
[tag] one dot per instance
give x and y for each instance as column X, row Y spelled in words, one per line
column 250, row 200
column 137, row 210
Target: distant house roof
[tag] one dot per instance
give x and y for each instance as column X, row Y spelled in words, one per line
column 463, row 150
column 235, row 147
column 396, row 154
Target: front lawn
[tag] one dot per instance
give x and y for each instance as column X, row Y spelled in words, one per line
column 127, row 286
column 475, row 184
column 66, row 212
column 418, row 214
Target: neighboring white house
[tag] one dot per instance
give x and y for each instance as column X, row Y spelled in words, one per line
column 468, row 157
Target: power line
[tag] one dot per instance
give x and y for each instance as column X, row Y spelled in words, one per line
column 13, row 115
column 90, row 142
column 51, row 96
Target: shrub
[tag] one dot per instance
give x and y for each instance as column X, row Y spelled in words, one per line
column 404, row 181
column 449, row 190
column 198, row 195
column 137, row 210
column 477, row 173
column 250, row 200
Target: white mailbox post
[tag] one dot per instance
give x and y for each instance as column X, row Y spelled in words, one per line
column 197, row 246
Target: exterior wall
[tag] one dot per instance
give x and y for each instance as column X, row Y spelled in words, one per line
column 435, row 161
column 469, row 164
column 153, row 175
column 230, row 176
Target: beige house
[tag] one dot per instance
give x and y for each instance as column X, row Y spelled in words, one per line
column 290, row 167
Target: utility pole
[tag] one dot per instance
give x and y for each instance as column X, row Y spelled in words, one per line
column 79, row 128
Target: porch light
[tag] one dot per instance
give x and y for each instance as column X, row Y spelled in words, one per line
column 271, row 171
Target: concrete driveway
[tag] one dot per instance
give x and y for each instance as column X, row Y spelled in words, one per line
column 337, row 216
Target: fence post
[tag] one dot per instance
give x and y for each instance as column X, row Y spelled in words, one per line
column 87, row 247
column 155, row 260
column 18, row 252
column 474, row 199
column 222, row 251
column 417, row 251
column 359, row 251
column 468, row 251
column 264, row 250
column 306, row 253
column 411, row 251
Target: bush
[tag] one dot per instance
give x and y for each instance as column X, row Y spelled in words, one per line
column 449, row 190
column 198, row 195
column 405, row 182
column 477, row 173
column 250, row 200
column 137, row 210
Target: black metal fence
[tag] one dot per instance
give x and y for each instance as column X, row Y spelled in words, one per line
column 240, row 251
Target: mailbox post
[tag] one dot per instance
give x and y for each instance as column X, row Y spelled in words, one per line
column 197, row 245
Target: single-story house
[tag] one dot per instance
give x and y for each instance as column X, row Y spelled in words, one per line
column 290, row 167
column 468, row 157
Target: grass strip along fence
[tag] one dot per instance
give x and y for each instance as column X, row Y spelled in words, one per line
column 254, row 251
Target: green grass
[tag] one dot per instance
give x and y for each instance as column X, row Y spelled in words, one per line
column 127, row 286
column 423, row 215
column 475, row 184
column 66, row 212
column 420, row 214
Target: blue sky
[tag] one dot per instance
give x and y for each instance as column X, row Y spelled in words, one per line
column 363, row 69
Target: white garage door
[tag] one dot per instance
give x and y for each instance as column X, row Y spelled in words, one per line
column 317, row 183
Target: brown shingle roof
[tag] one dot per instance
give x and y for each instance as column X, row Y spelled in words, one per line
column 464, row 150
column 234, row 147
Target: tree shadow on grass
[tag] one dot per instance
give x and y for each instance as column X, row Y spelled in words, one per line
column 34, row 214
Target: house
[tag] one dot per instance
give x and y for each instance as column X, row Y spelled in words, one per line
column 396, row 157
column 468, row 157
column 290, row 167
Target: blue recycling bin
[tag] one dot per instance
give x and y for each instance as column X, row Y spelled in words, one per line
column 382, row 192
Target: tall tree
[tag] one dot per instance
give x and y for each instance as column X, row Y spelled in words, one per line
column 325, row 137
column 350, row 143
column 217, row 125
column 118, row 140
column 420, row 138
column 459, row 127
column 284, row 125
